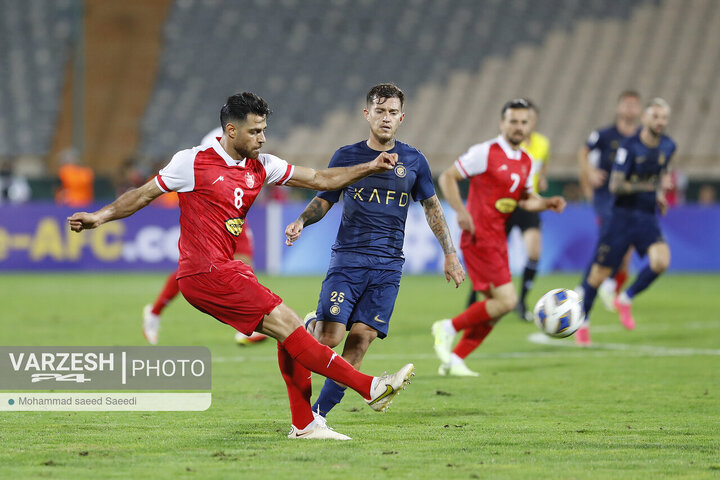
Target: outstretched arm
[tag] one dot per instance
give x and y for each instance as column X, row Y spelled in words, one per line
column 619, row 185
column 339, row 177
column 448, row 182
column 124, row 206
column 314, row 212
column 532, row 202
column 436, row 220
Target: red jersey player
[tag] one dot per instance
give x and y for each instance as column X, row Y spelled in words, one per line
column 217, row 184
column 500, row 180
column 243, row 252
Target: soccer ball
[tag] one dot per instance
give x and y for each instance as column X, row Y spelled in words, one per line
column 559, row 313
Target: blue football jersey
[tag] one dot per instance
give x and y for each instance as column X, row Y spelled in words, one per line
column 372, row 229
column 637, row 161
column 603, row 145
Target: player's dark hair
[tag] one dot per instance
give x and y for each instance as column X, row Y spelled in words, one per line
column 514, row 103
column 629, row 93
column 239, row 105
column 382, row 92
column 532, row 106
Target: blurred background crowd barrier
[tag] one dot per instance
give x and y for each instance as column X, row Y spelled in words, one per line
column 96, row 96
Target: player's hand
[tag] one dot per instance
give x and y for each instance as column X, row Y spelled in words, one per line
column 453, row 270
column 83, row 221
column 662, row 204
column 666, row 182
column 556, row 204
column 292, row 232
column 597, row 177
column 465, row 222
column 384, row 161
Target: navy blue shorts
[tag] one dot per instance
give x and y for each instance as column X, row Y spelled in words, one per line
column 359, row 295
column 522, row 219
column 623, row 229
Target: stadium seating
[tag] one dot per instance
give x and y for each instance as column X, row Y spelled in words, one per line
column 35, row 36
column 456, row 59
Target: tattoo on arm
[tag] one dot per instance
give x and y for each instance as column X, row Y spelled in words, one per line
column 314, row 212
column 436, row 221
column 619, row 185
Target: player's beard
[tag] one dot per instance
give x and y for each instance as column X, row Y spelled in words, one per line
column 657, row 132
column 515, row 143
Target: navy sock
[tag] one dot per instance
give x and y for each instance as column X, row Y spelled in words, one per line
column 472, row 298
column 330, row 395
column 528, row 279
column 643, row 280
column 590, row 293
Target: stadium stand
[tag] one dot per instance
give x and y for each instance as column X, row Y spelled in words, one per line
column 314, row 60
column 457, row 60
column 35, row 36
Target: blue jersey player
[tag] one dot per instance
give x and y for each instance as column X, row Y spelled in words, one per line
column 362, row 282
column 638, row 181
column 596, row 159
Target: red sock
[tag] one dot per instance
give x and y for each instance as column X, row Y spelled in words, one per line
column 475, row 314
column 321, row 359
column 620, row 278
column 299, row 387
column 169, row 291
column 471, row 339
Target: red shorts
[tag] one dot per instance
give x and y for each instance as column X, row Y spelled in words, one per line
column 232, row 294
column 244, row 242
column 487, row 265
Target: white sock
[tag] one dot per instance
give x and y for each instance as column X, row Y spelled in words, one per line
column 623, row 298
column 448, row 327
column 609, row 284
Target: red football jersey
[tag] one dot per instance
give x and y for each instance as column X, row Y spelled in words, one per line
column 215, row 192
column 498, row 177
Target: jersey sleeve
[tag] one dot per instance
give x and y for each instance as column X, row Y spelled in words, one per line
column 332, row 196
column 179, row 174
column 277, row 170
column 593, row 140
column 474, row 161
column 624, row 161
column 423, row 188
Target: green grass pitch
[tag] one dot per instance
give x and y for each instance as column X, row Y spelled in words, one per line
column 642, row 404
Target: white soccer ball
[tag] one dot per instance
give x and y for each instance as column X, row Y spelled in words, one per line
column 559, row 313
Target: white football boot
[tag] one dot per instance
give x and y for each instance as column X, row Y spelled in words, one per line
column 309, row 321
column 386, row 387
column 456, row 368
column 318, row 430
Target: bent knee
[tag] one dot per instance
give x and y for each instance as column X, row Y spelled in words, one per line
column 659, row 258
column 330, row 339
column 507, row 304
column 660, row 265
